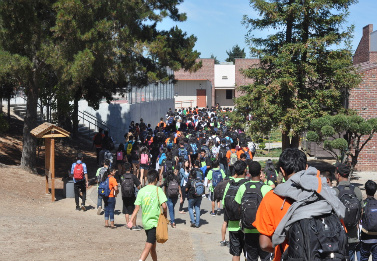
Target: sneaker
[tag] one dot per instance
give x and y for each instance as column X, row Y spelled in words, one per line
column 213, row 214
column 99, row 210
column 83, row 208
column 193, row 225
column 223, row 243
column 204, row 195
column 196, row 226
column 140, row 227
column 135, row 228
column 78, row 208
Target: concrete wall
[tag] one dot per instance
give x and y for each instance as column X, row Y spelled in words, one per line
column 222, row 71
column 222, row 100
column 118, row 116
column 185, row 92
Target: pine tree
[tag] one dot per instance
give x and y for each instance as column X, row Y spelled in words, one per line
column 236, row 52
column 305, row 68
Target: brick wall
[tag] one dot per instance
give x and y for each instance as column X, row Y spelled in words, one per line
column 240, row 78
column 207, row 72
column 362, row 51
column 363, row 99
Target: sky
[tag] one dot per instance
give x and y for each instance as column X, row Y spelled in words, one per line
column 217, row 24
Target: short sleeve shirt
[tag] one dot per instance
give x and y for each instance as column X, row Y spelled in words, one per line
column 209, row 176
column 112, row 184
column 150, row 204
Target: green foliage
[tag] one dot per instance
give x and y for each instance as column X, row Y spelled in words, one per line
column 301, row 76
column 215, row 58
column 343, row 135
column 236, row 52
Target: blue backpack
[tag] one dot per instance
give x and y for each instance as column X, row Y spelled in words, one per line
column 194, row 148
column 170, row 144
column 198, row 187
column 217, row 177
column 183, row 153
column 170, row 120
column 104, row 189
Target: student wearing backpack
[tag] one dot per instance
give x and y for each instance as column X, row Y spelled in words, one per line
column 215, row 176
column 236, row 236
column 150, row 199
column 368, row 235
column 222, row 157
column 120, row 160
column 99, row 175
column 80, row 178
column 248, row 196
column 310, row 204
column 182, row 152
column 232, row 157
column 144, row 165
column 194, row 189
column 172, row 190
column 184, row 173
column 348, row 192
column 135, row 157
column 128, row 185
column 110, row 200
column 244, row 149
column 167, row 164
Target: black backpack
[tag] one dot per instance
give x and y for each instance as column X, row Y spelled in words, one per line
column 232, row 208
column 369, row 219
column 168, row 166
column 270, row 172
column 315, row 239
column 172, row 190
column 127, row 186
column 352, row 204
column 250, row 202
column 220, row 189
column 222, row 152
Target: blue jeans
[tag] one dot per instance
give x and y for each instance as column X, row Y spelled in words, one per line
column 99, row 201
column 195, row 202
column 171, row 204
column 109, row 208
column 354, row 248
column 365, row 251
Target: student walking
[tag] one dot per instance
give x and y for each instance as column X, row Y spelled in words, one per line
column 110, row 200
column 172, row 191
column 184, row 173
column 81, row 181
column 195, row 190
column 150, row 199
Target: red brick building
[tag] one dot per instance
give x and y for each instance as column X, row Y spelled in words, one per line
column 363, row 99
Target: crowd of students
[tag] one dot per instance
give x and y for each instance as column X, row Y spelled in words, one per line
column 194, row 153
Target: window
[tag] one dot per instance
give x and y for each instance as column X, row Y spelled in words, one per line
column 225, row 77
column 229, row 94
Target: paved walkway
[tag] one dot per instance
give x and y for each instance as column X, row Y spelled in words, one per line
column 205, row 239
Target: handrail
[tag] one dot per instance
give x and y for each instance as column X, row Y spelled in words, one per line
column 91, row 119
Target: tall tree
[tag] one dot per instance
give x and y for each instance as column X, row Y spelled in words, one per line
column 304, row 72
column 215, row 58
column 236, row 52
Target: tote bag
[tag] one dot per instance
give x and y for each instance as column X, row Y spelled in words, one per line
column 162, row 226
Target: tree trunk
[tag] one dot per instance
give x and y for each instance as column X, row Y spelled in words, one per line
column 9, row 110
column 75, row 117
column 288, row 143
column 28, row 160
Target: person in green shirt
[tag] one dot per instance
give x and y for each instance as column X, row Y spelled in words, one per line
column 267, row 182
column 150, row 198
column 216, row 169
column 236, row 236
column 251, row 248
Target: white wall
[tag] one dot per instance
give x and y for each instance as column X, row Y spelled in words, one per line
column 227, row 70
column 119, row 115
column 185, row 90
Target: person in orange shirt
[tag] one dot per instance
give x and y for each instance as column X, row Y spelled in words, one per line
column 232, row 157
column 110, row 201
column 273, row 207
column 161, row 122
column 246, row 151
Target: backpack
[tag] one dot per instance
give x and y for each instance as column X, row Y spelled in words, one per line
column 232, row 208
column 194, row 148
column 249, row 203
column 182, row 152
column 168, row 166
column 170, row 120
column 369, row 219
column 100, row 174
column 170, row 144
column 222, row 152
column 315, row 239
column 173, row 189
column 129, row 148
column 98, row 139
column 352, row 204
column 217, row 177
column 128, row 186
column 108, row 155
column 247, row 153
column 104, row 189
column 120, row 155
column 144, row 158
column 198, row 186
column 199, row 174
column 220, row 189
column 233, row 158
column 78, row 171
column 270, row 172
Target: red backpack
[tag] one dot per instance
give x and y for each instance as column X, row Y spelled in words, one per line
column 120, row 155
column 78, row 172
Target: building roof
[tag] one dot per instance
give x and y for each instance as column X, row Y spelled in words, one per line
column 366, row 66
column 49, row 130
